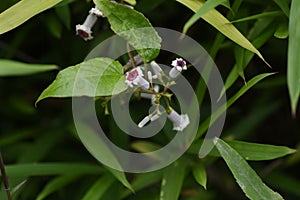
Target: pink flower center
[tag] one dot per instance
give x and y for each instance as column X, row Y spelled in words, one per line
column 181, row 63
column 82, row 33
column 132, row 75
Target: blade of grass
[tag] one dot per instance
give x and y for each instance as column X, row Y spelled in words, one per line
column 172, row 181
column 284, row 5
column 258, row 16
column 293, row 76
column 22, row 11
column 210, row 120
column 14, row 68
column 56, row 184
column 42, row 169
column 222, row 24
column 99, row 188
column 207, row 6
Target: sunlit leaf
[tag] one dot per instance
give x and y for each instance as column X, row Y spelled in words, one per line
column 132, row 2
column 217, row 20
column 14, row 68
column 95, row 77
column 293, row 76
column 246, row 177
column 207, row 6
column 22, row 11
column 133, row 26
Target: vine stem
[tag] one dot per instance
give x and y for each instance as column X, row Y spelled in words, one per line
column 5, row 179
column 130, row 55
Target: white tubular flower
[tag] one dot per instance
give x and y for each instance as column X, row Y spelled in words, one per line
column 180, row 122
column 144, row 122
column 97, row 12
column 178, row 65
column 156, row 68
column 149, row 76
column 154, row 117
column 135, row 77
column 137, row 59
column 147, row 119
column 85, row 30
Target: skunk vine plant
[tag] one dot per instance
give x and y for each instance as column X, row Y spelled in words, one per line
column 110, row 83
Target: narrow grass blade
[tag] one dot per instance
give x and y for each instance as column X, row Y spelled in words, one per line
column 293, row 76
column 207, row 6
column 142, row 181
column 172, row 181
column 246, row 177
column 42, row 169
column 55, row 185
column 258, row 16
column 284, row 5
column 222, row 24
column 14, row 68
column 210, row 120
column 99, row 188
column 22, row 11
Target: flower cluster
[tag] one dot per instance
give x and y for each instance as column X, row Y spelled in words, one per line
column 141, row 77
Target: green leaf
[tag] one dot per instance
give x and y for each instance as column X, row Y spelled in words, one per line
column 207, row 6
column 120, row 175
column 253, row 151
column 210, row 120
column 64, row 14
column 22, row 11
column 132, row 2
column 42, row 169
column 200, row 174
column 172, row 180
column 248, row 180
column 101, row 151
column 54, row 26
column 235, row 72
column 95, row 77
column 258, row 16
column 133, row 26
column 282, row 32
column 143, row 180
column 284, row 5
column 14, row 68
column 293, row 76
column 56, row 184
column 218, row 21
column 99, row 188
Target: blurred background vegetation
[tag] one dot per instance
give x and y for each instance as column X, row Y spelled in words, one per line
column 46, row 134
